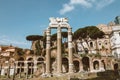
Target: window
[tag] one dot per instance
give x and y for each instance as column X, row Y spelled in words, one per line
column 91, row 44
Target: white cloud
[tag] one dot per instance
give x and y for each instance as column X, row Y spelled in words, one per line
column 97, row 4
column 83, row 3
column 66, row 8
column 103, row 3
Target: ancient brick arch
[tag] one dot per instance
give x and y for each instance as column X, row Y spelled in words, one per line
column 77, row 65
column 86, row 63
column 96, row 65
column 40, row 57
column 65, row 65
column 27, row 58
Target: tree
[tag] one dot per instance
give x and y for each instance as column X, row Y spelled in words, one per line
column 36, row 39
column 64, row 35
column 92, row 31
column 87, row 32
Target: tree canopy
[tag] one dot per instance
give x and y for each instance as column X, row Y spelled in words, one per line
column 54, row 36
column 34, row 37
column 90, row 31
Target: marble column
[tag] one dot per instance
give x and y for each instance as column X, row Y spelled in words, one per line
column 48, row 53
column 70, row 52
column 59, row 55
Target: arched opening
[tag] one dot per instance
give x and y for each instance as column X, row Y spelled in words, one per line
column 30, row 66
column 103, row 64
column 65, row 66
column 39, row 61
column 53, row 65
column 40, row 65
column 85, row 62
column 96, row 65
column 20, row 65
column 76, row 65
column 116, row 66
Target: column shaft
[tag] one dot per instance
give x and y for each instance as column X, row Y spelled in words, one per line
column 59, row 56
column 48, row 52
column 70, row 50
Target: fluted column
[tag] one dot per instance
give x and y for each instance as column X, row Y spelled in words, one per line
column 48, row 56
column 59, row 56
column 70, row 50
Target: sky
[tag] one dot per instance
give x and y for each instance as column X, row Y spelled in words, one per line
column 20, row 18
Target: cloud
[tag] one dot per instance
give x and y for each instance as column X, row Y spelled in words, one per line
column 84, row 3
column 66, row 8
column 103, row 3
column 97, row 4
